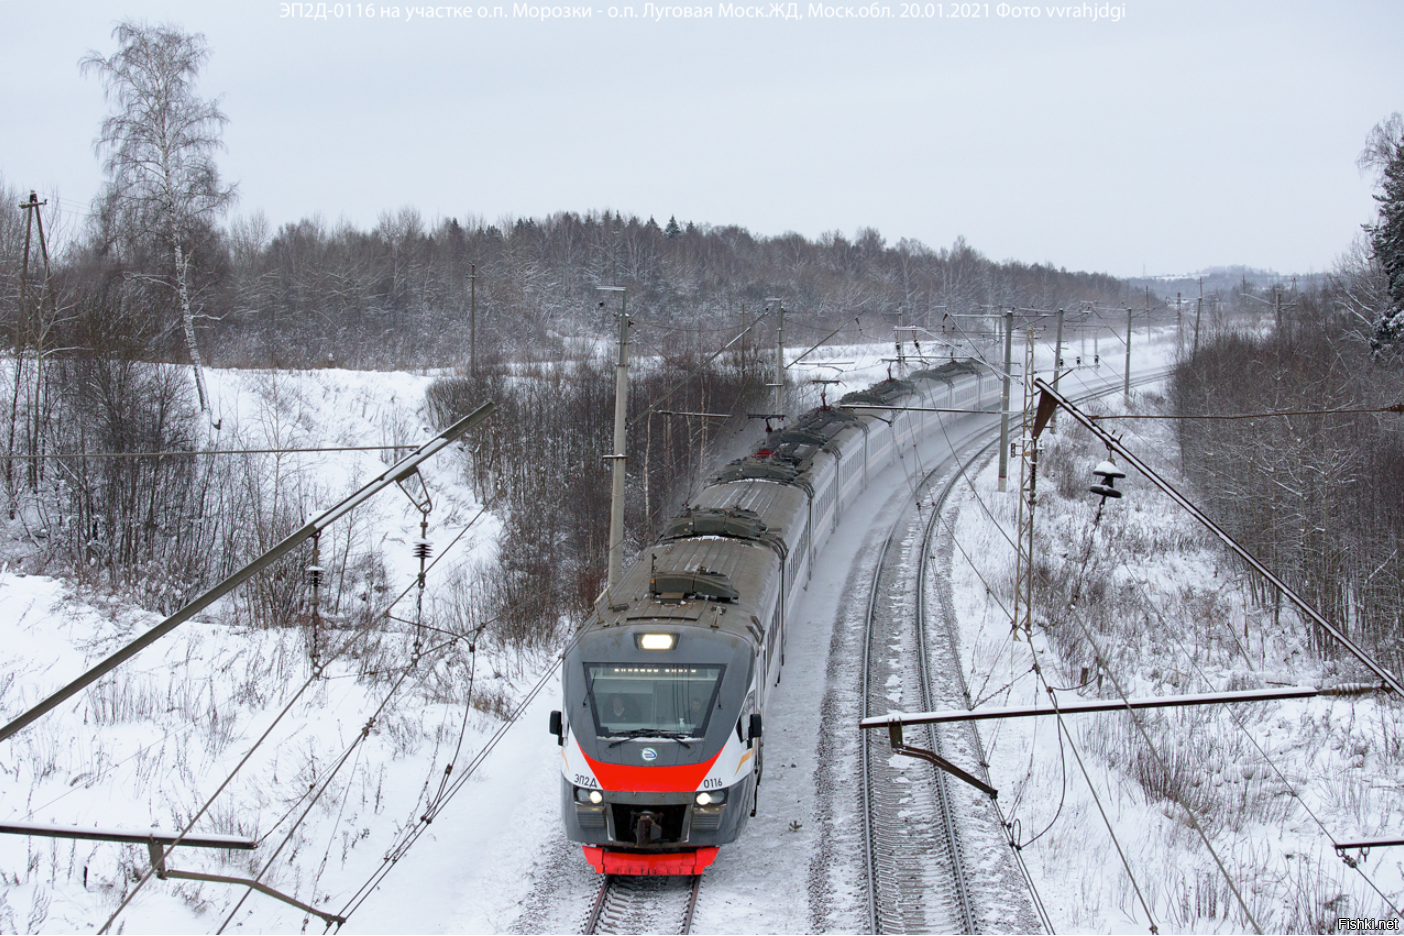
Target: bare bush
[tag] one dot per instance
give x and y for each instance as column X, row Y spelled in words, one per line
column 538, row 462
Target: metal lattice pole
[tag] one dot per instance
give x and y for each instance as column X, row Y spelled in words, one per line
column 1028, row 480
column 621, row 404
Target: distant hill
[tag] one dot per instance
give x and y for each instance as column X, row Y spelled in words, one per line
column 1223, row 280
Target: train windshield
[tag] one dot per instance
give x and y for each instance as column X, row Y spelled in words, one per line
column 637, row 699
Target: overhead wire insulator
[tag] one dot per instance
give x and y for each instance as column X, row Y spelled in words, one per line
column 423, row 549
column 315, row 575
column 1108, row 472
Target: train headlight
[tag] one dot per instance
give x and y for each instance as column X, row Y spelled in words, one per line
column 594, row 797
column 657, row 641
column 711, row 797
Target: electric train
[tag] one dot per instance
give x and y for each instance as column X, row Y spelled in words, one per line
column 665, row 687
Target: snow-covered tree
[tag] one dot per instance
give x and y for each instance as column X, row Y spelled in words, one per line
column 158, row 147
column 1384, row 152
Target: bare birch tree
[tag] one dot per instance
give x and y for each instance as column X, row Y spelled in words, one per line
column 158, row 150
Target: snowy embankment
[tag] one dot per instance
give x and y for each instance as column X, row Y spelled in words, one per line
column 146, row 747
column 1143, row 602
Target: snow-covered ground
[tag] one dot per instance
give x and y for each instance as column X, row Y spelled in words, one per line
column 148, row 746
column 1271, row 784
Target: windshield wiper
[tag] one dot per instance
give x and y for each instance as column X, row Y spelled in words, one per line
column 636, row 733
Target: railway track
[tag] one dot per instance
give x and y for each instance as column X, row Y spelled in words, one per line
column 915, row 850
column 918, row 881
column 627, row 904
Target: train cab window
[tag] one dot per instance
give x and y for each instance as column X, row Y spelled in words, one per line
column 639, row 699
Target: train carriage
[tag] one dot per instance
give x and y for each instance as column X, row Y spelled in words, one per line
column 665, row 687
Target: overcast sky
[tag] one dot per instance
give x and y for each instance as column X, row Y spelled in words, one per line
column 1186, row 134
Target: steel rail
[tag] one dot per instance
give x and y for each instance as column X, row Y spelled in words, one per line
column 592, row 925
column 869, row 845
column 609, row 886
column 979, row 743
column 923, row 657
column 943, row 797
column 691, row 904
column 869, row 721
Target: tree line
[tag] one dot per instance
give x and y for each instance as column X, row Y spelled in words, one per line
column 1315, row 492
column 111, row 318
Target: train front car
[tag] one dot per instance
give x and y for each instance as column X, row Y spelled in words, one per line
column 660, row 733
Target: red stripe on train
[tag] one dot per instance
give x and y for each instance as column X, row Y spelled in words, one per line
column 637, row 778
column 650, row 863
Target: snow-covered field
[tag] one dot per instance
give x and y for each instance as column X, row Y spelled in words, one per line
column 147, row 747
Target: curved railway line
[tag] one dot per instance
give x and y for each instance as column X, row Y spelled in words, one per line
column 917, row 874
column 917, row 879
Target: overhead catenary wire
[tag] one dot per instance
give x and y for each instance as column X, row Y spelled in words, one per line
column 345, row 647
column 313, row 790
column 395, row 473
column 1063, row 733
column 131, row 895
column 983, row 758
column 412, row 834
column 1076, row 615
column 1062, row 729
column 1011, row 823
column 1160, row 762
column 1106, row 820
column 1371, row 410
column 178, row 453
column 820, row 342
column 699, row 369
column 1240, row 720
column 1387, row 678
column 463, row 725
column 355, row 745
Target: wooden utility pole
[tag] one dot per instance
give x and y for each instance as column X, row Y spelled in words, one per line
column 33, row 218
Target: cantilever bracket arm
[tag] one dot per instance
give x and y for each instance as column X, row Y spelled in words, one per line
column 894, row 734
column 159, row 864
